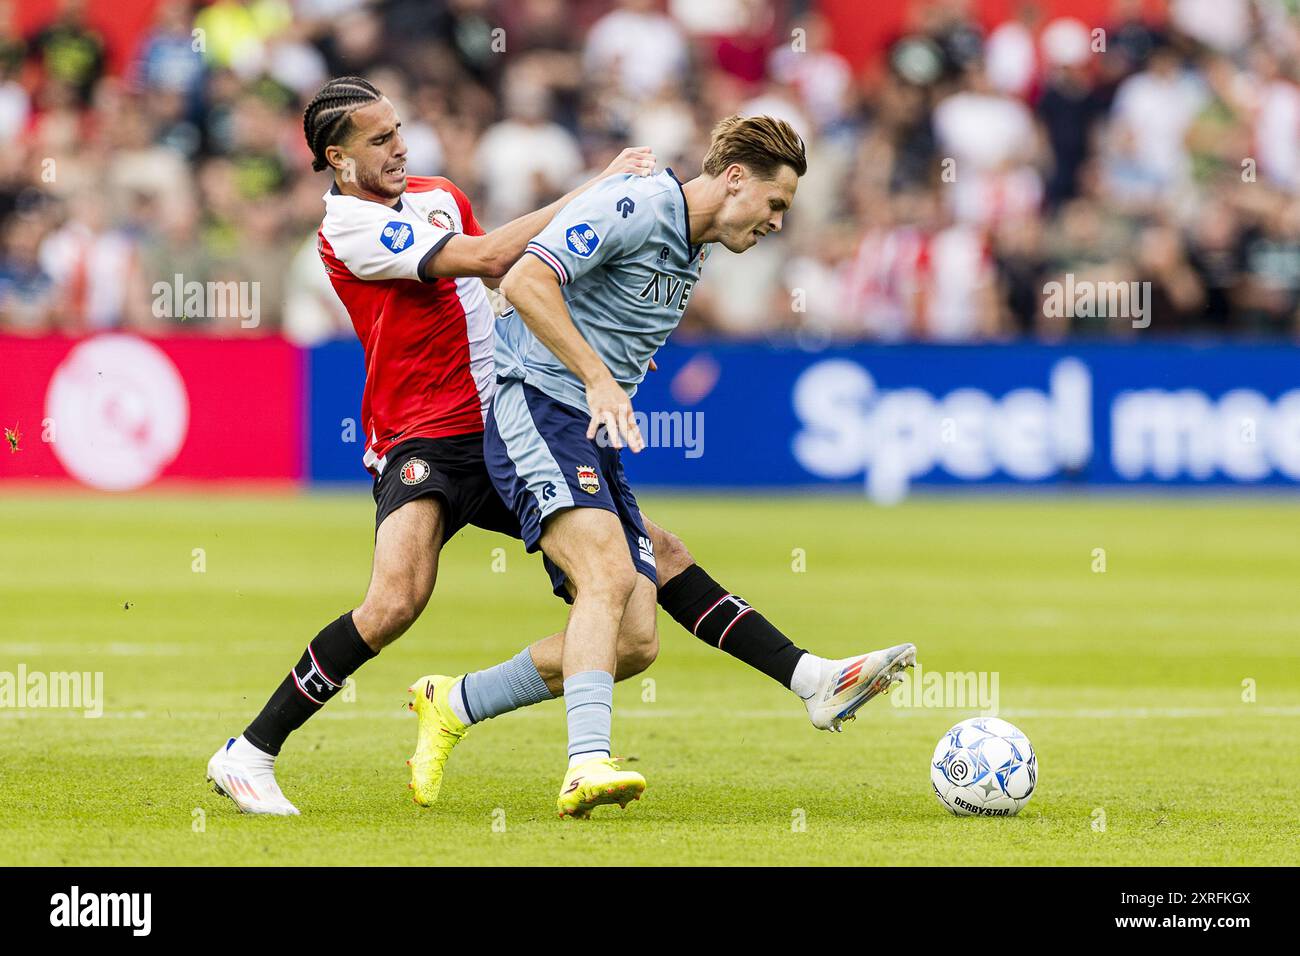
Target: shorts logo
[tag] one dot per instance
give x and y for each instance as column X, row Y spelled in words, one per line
column 442, row 220
column 582, row 239
column 587, row 479
column 396, row 236
column 415, row 471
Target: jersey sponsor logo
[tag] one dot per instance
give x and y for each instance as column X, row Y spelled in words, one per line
column 667, row 290
column 587, row 479
column 415, row 471
column 582, row 240
column 441, row 219
column 396, row 236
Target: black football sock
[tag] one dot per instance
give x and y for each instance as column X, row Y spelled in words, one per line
column 329, row 659
column 721, row 619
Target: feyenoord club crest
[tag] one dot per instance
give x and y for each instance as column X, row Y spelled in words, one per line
column 587, row 479
column 415, row 471
column 442, row 220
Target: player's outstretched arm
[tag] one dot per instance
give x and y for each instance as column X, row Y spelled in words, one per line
column 534, row 290
column 490, row 256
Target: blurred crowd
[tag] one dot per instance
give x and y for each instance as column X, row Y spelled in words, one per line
column 949, row 185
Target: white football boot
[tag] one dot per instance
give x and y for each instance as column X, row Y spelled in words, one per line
column 849, row 683
column 243, row 773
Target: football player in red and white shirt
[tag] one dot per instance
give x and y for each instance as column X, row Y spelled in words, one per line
column 410, row 262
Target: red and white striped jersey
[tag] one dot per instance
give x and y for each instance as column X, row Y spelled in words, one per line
column 428, row 345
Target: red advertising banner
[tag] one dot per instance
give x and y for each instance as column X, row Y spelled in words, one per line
column 118, row 412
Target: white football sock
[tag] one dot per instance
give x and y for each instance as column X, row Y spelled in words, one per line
column 456, row 698
column 807, row 675
column 583, row 758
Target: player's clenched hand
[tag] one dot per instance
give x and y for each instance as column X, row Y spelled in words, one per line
column 639, row 160
column 611, row 407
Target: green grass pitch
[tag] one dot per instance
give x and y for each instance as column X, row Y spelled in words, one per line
column 1134, row 685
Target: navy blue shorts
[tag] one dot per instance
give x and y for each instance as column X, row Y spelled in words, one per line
column 542, row 462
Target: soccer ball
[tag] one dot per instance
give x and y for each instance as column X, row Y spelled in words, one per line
column 984, row 767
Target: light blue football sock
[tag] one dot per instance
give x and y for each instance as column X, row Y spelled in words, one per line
column 589, row 700
column 507, row 686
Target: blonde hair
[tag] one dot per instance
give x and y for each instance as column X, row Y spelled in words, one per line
column 760, row 143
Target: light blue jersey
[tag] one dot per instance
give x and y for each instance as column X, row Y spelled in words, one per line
column 623, row 256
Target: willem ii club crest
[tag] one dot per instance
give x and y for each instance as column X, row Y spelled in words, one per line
column 587, row 479
column 415, row 471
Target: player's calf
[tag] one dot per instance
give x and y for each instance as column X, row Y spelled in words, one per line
column 589, row 545
column 638, row 636
column 405, row 567
column 407, row 545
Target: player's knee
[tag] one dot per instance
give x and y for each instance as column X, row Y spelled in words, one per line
column 387, row 616
column 610, row 584
column 622, row 581
column 671, row 555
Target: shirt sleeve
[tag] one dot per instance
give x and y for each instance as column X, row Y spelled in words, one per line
column 603, row 224
column 377, row 243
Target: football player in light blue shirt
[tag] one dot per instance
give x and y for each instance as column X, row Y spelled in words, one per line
column 600, row 291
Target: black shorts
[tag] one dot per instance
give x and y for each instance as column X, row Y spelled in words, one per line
column 451, row 469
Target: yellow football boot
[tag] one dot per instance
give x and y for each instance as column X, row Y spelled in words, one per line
column 597, row 781
column 438, row 732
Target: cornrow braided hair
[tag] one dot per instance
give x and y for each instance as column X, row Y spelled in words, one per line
column 325, row 120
